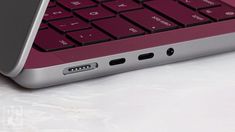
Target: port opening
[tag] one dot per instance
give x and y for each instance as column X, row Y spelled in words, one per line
column 80, row 68
column 146, row 56
column 170, row 51
column 117, row 61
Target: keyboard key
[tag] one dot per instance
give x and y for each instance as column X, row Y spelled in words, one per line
column 95, row 13
column 200, row 4
column 56, row 13
column 118, row 27
column 220, row 13
column 89, row 36
column 122, row 5
column 76, row 4
column 51, row 4
column 49, row 40
column 179, row 13
column 43, row 26
column 68, row 25
column 150, row 20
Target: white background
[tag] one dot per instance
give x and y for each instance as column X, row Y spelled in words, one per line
column 192, row 96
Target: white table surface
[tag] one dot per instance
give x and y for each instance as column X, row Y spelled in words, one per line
column 192, row 96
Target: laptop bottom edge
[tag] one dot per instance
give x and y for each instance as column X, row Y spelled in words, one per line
column 123, row 62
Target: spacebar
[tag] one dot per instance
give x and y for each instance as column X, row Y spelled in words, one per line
column 179, row 13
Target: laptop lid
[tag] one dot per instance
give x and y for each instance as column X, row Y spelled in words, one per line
column 20, row 20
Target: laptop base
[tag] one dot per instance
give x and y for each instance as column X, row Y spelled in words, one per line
column 123, row 62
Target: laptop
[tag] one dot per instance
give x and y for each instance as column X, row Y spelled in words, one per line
column 51, row 42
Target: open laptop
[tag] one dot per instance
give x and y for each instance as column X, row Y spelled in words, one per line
column 46, row 43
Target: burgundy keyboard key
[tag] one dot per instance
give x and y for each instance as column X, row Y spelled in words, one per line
column 177, row 12
column 200, row 4
column 122, row 5
column 118, row 27
column 88, row 36
column 95, row 13
column 68, row 25
column 43, row 26
column 56, row 13
column 220, row 13
column 51, row 4
column 150, row 20
column 76, row 4
column 49, row 40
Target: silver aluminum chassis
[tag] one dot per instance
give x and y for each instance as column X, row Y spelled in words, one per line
column 50, row 76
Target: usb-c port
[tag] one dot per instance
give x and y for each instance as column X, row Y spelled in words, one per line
column 146, row 56
column 117, row 61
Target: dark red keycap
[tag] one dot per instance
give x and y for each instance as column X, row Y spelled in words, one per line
column 43, row 26
column 118, row 27
column 68, row 25
column 150, row 20
column 177, row 12
column 88, row 36
column 49, row 40
column 56, row 13
column 220, row 13
column 51, row 4
column 122, row 5
column 200, row 4
column 76, row 4
column 95, row 13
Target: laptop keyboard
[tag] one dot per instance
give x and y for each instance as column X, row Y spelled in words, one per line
column 75, row 23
